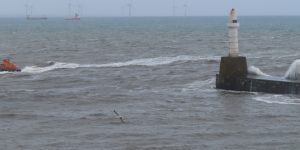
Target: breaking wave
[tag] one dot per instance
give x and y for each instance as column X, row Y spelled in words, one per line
column 293, row 72
column 137, row 62
column 256, row 71
column 278, row 99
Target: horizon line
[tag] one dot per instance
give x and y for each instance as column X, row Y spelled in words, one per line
column 7, row 17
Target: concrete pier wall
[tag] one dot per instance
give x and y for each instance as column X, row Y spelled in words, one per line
column 257, row 84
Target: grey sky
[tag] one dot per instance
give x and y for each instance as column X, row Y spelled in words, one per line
column 16, row 8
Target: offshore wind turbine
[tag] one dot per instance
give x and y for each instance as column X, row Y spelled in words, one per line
column 173, row 8
column 76, row 11
column 129, row 5
column 69, row 7
column 185, row 6
column 29, row 13
column 28, row 9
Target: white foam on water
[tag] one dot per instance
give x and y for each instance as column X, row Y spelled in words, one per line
column 5, row 72
column 56, row 65
column 137, row 62
column 237, row 92
column 278, row 99
column 256, row 71
column 200, row 85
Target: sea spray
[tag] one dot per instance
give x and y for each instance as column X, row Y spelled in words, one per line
column 293, row 72
column 252, row 70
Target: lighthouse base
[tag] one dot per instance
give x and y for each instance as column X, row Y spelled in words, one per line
column 231, row 69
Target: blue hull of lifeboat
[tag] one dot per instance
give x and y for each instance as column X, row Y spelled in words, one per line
column 17, row 70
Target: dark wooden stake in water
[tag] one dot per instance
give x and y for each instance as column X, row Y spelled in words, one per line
column 120, row 117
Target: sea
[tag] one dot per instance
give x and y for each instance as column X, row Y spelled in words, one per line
column 143, row 83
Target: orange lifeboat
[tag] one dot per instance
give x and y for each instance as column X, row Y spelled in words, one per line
column 6, row 65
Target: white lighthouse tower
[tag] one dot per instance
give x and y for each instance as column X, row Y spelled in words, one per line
column 233, row 26
column 233, row 68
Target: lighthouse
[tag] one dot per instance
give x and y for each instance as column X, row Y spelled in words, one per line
column 233, row 73
column 233, row 26
column 233, row 66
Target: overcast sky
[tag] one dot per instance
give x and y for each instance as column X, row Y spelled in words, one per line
column 99, row 8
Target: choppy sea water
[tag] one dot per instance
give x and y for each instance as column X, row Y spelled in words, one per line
column 158, row 73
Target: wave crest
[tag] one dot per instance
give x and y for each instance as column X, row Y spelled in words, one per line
column 137, row 62
column 293, row 72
